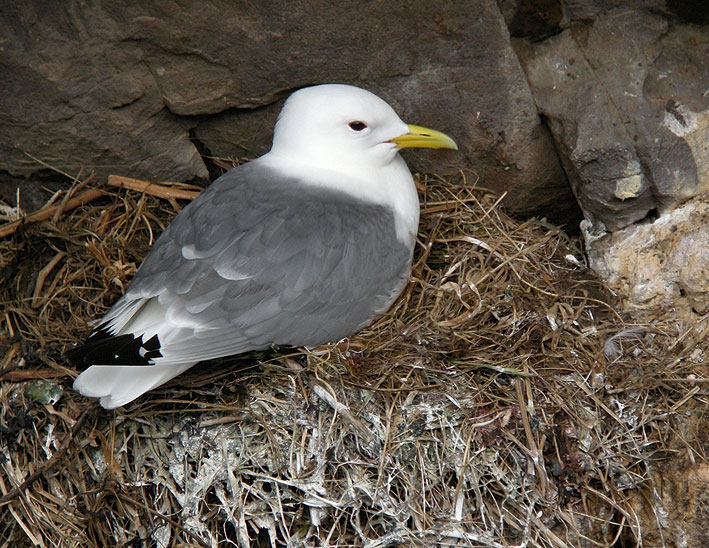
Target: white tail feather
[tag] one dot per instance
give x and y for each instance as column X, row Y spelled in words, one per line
column 118, row 385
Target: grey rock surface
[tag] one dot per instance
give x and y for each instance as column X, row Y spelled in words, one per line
column 77, row 95
column 625, row 98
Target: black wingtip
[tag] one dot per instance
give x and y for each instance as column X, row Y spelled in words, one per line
column 102, row 348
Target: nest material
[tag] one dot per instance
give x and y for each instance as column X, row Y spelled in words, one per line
column 503, row 401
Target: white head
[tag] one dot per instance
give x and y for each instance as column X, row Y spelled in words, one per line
column 334, row 125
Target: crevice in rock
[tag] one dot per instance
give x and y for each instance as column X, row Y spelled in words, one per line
column 127, row 103
column 533, row 20
column 689, row 11
column 213, row 168
column 650, row 217
column 572, row 212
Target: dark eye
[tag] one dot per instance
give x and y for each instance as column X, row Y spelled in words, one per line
column 357, row 125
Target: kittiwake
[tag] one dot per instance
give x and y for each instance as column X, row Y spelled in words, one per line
column 302, row 246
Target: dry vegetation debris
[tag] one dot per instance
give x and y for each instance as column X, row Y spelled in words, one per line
column 502, row 402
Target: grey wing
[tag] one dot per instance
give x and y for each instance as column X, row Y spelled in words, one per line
column 259, row 259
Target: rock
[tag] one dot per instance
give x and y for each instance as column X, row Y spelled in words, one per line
column 660, row 265
column 137, row 88
column 624, row 96
column 79, row 97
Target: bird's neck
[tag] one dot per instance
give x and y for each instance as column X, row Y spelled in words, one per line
column 390, row 185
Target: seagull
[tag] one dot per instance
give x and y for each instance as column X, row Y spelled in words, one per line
column 303, row 246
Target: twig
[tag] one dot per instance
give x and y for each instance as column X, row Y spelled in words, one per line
column 32, row 374
column 42, row 276
column 75, row 187
column 47, row 212
column 49, row 464
column 340, row 408
column 537, row 456
column 154, row 189
column 138, row 185
column 50, row 166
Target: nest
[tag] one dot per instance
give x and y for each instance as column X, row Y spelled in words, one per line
column 503, row 401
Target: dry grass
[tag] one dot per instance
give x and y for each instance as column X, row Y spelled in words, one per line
column 503, row 402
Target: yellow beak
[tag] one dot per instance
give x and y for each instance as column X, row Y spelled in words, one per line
column 422, row 137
